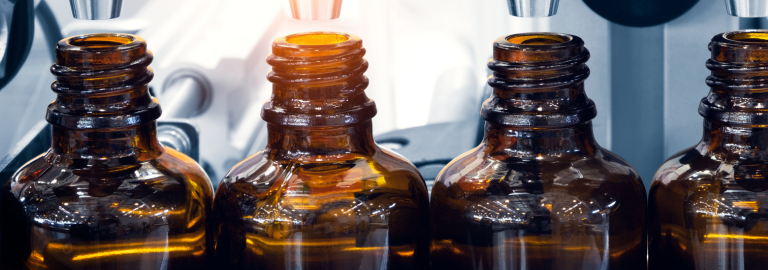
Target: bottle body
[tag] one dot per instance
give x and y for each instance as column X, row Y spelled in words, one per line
column 707, row 202
column 492, row 209
column 539, row 192
column 107, row 195
column 707, row 206
column 150, row 216
column 322, row 194
column 357, row 211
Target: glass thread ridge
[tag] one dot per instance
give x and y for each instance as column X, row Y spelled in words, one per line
column 539, row 84
column 102, row 83
column 318, row 84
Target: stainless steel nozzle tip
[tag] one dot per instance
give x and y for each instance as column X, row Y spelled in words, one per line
column 96, row 9
column 315, row 9
column 747, row 8
column 533, row 8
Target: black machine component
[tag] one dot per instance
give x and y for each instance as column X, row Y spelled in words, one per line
column 640, row 13
column 17, row 17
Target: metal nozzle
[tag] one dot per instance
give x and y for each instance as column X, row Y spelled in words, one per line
column 96, row 9
column 747, row 8
column 315, row 9
column 533, row 8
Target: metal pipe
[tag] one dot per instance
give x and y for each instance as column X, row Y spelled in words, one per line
column 184, row 97
column 96, row 9
column 533, row 8
column 315, row 9
column 175, row 138
column 747, row 8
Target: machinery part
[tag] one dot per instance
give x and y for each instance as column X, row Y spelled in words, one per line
column 181, row 135
column 532, row 8
column 96, row 9
column 427, row 144
column 431, row 147
column 50, row 26
column 317, row 9
column 17, row 28
column 185, row 94
column 34, row 143
column 747, row 8
column 641, row 13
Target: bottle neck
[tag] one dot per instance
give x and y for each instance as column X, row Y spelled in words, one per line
column 103, row 117
column 318, row 80
column 107, row 148
column 734, row 141
column 538, row 81
column 317, row 144
column 540, row 143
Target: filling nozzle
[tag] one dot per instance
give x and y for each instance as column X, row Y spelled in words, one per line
column 315, row 9
column 533, row 8
column 747, row 8
column 96, row 9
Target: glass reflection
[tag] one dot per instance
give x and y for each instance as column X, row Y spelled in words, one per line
column 708, row 202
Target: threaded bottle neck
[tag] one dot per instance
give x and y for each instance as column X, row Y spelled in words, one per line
column 101, row 82
column 538, row 81
column 103, row 115
column 739, row 79
column 318, row 80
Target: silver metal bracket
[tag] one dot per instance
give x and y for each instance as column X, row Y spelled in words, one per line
column 96, row 9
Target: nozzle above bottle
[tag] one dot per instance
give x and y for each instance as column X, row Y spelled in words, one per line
column 315, row 9
column 533, row 8
column 747, row 8
column 96, row 9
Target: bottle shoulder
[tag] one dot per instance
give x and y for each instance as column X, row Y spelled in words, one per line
column 383, row 163
column 308, row 184
column 261, row 190
column 678, row 164
column 602, row 166
column 171, row 163
column 513, row 193
column 48, row 181
column 696, row 167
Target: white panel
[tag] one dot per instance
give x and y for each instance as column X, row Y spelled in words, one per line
column 521, row 25
column 574, row 17
column 685, row 52
column 376, row 33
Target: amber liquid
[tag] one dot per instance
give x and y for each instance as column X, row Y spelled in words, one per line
column 539, row 192
column 322, row 194
column 106, row 195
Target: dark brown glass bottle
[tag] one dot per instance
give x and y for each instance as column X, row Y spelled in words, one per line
column 322, row 194
column 539, row 192
column 106, row 195
column 709, row 203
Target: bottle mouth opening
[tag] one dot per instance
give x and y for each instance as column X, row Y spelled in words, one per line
column 754, row 37
column 538, row 39
column 316, row 39
column 100, row 41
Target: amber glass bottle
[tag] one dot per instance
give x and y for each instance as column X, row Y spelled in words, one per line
column 106, row 195
column 709, row 203
column 322, row 194
column 539, row 192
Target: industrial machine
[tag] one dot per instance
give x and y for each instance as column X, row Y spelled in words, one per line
column 427, row 67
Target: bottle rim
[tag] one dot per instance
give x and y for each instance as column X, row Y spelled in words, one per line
column 747, row 37
column 100, row 42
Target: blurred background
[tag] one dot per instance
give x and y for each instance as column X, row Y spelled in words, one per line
column 427, row 69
